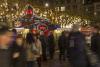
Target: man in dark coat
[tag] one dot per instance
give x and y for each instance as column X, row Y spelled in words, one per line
column 76, row 47
column 5, row 40
column 95, row 41
column 51, row 45
column 44, row 43
column 62, row 44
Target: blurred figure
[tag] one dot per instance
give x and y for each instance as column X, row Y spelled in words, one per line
column 95, row 41
column 63, row 43
column 5, row 41
column 76, row 48
column 15, row 34
column 31, row 50
column 88, row 40
column 51, row 45
column 43, row 40
column 14, row 31
column 18, row 52
column 39, row 50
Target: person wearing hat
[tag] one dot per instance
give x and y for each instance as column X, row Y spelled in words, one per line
column 5, row 40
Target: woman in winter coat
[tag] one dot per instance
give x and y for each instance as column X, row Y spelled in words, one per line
column 33, row 50
column 39, row 50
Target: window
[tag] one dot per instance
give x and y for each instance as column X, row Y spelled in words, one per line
column 68, row 7
column 98, row 6
column 75, row 1
column 68, row 1
column 74, row 6
column 63, row 8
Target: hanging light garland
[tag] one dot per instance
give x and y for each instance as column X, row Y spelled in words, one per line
column 13, row 14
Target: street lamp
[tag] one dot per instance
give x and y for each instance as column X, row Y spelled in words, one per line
column 46, row 5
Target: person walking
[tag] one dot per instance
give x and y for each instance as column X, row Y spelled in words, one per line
column 62, row 44
column 5, row 41
column 76, row 48
column 18, row 52
column 51, row 45
column 30, row 50
column 44, row 43
column 39, row 50
column 95, row 41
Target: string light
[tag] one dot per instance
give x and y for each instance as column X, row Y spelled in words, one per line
column 53, row 16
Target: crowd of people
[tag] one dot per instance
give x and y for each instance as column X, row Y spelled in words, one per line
column 82, row 50
column 30, row 51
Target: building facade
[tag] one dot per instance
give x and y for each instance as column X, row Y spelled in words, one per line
column 92, row 9
column 97, row 11
column 70, row 6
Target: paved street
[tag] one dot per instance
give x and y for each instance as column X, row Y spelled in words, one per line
column 55, row 63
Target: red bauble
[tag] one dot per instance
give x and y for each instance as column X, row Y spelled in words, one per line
column 42, row 27
column 29, row 11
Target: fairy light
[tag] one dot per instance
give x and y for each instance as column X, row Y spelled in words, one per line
column 1, row 13
column 1, row 5
column 59, row 19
